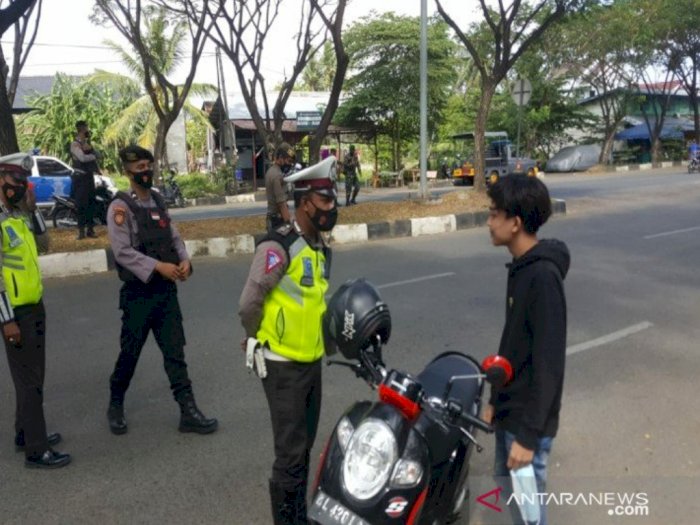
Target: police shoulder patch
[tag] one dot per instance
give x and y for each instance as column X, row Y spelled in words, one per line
column 273, row 259
column 119, row 214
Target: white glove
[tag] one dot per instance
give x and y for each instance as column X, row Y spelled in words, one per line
column 255, row 358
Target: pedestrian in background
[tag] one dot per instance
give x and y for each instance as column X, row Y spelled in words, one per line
column 526, row 410
column 275, row 189
column 150, row 257
column 22, row 311
column 351, row 169
column 83, row 180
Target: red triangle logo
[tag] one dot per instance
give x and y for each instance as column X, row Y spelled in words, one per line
column 497, row 496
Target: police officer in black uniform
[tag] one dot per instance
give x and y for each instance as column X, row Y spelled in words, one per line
column 83, row 180
column 150, row 257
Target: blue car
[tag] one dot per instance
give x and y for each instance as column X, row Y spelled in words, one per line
column 52, row 176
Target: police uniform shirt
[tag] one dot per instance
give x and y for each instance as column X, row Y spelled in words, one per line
column 76, row 149
column 270, row 264
column 122, row 228
column 38, row 228
column 274, row 189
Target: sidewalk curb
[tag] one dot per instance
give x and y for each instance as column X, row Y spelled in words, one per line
column 69, row 264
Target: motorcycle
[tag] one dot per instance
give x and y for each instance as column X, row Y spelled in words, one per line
column 403, row 458
column 64, row 213
column 170, row 190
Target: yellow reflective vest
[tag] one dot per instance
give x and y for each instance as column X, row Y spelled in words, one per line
column 20, row 261
column 293, row 310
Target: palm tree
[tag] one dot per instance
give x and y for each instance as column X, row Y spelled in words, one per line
column 163, row 40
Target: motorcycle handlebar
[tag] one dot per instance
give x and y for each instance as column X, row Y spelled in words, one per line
column 482, row 425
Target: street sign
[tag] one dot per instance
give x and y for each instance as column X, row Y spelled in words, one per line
column 522, row 90
column 308, row 120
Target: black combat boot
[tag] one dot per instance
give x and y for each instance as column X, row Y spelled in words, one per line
column 192, row 419
column 81, row 234
column 91, row 233
column 115, row 416
column 284, row 504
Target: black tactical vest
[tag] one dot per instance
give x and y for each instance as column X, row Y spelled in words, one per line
column 155, row 239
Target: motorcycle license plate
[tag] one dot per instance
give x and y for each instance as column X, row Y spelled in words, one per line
column 327, row 511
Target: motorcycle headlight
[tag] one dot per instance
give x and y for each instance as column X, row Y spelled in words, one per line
column 407, row 473
column 344, row 432
column 369, row 459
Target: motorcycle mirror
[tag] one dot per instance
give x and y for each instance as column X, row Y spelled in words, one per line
column 498, row 370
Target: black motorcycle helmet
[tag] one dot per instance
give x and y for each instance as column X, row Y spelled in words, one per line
column 354, row 315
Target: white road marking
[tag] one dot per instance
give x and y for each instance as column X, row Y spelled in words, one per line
column 417, row 280
column 608, row 338
column 674, row 232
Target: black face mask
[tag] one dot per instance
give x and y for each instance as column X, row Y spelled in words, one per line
column 324, row 220
column 286, row 168
column 14, row 194
column 143, row 178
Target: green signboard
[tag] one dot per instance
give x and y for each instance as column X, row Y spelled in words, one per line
column 308, row 120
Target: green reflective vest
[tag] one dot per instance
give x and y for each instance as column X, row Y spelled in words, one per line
column 20, row 261
column 293, row 310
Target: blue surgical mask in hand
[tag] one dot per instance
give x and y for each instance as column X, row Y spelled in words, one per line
column 525, row 493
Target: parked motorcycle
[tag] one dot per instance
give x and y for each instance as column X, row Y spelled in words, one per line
column 64, row 213
column 170, row 190
column 403, row 458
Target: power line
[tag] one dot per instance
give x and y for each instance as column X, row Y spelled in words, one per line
column 44, row 44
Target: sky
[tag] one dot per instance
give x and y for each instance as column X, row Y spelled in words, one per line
column 68, row 42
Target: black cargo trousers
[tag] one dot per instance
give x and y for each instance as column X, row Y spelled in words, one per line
column 150, row 307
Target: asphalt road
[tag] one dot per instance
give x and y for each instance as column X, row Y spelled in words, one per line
column 562, row 186
column 629, row 422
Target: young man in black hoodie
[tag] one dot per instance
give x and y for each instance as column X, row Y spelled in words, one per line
column 526, row 410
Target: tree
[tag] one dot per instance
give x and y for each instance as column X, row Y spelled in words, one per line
column 385, row 55
column 156, row 38
column 681, row 23
column 319, row 72
column 496, row 46
column 240, row 30
column 599, row 48
column 51, row 123
column 552, row 110
column 24, row 15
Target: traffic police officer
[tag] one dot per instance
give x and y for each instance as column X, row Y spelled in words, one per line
column 275, row 191
column 150, row 257
column 281, row 307
column 22, row 311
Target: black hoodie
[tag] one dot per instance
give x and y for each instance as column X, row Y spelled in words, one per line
column 534, row 341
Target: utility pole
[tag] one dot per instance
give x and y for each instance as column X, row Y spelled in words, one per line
column 230, row 152
column 423, row 98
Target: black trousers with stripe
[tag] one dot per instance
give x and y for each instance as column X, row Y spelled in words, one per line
column 27, row 365
column 293, row 393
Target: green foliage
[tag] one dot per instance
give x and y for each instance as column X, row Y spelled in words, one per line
column 196, row 185
column 551, row 112
column 51, row 125
column 384, row 82
column 318, row 73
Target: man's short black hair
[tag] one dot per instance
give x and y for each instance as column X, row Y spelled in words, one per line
column 81, row 124
column 522, row 196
